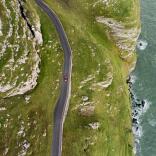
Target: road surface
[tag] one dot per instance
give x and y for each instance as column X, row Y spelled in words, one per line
column 62, row 103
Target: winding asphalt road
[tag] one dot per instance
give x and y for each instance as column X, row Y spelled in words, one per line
column 63, row 101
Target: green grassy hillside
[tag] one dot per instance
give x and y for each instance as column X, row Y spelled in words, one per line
column 98, row 122
column 92, row 50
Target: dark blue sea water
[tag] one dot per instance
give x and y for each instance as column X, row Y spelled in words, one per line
column 145, row 78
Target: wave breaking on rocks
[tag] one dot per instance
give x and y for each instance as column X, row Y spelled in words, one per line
column 139, row 107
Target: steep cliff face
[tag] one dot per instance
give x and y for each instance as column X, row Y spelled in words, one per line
column 125, row 38
column 23, row 104
column 103, row 35
column 19, row 50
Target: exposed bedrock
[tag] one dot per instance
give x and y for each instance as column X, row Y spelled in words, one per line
column 19, row 50
column 125, row 38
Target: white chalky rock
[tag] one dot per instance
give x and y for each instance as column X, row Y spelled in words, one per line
column 87, row 110
column 27, row 98
column 85, row 98
column 1, row 28
column 125, row 38
column 2, row 108
column 14, row 79
column 94, row 125
column 38, row 37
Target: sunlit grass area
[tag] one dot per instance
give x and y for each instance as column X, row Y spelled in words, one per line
column 92, row 49
column 96, row 62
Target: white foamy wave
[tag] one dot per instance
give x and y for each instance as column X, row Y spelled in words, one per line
column 133, row 79
column 139, row 108
column 147, row 105
column 137, row 131
column 142, row 44
column 137, row 148
column 134, row 150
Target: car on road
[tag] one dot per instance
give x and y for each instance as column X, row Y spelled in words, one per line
column 65, row 78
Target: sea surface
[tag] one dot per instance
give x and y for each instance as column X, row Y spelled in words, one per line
column 144, row 77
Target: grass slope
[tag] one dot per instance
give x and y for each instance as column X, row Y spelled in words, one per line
column 92, row 49
column 35, row 118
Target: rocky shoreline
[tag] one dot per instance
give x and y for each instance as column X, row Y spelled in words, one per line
column 138, row 108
